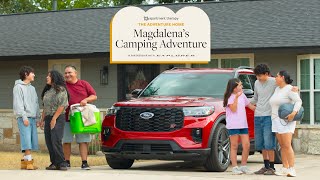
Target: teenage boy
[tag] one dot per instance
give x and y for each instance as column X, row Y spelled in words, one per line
column 26, row 110
column 265, row 139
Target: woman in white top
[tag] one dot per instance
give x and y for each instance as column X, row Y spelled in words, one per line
column 284, row 128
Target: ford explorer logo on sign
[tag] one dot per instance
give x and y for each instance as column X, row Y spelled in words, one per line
column 146, row 115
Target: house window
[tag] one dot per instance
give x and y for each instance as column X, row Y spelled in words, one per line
column 228, row 61
column 235, row 62
column 317, row 74
column 317, row 90
column 309, row 83
column 305, row 88
column 135, row 76
column 305, row 74
column 214, row 63
column 305, row 96
column 60, row 64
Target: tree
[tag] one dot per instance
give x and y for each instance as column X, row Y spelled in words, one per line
column 23, row 6
column 16, row 6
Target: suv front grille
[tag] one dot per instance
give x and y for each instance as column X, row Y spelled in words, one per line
column 164, row 119
column 146, row 147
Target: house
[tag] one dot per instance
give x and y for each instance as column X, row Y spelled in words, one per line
column 285, row 34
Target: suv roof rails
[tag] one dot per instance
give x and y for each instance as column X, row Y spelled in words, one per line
column 240, row 67
column 245, row 67
column 180, row 68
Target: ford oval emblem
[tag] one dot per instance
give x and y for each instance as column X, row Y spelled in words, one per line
column 146, row 115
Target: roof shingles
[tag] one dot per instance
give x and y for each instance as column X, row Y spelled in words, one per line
column 246, row 24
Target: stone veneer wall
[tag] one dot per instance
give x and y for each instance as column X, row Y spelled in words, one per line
column 9, row 132
column 10, row 136
column 306, row 139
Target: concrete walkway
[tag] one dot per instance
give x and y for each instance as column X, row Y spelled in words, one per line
column 307, row 166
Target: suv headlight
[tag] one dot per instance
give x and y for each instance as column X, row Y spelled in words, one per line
column 198, row 111
column 112, row 111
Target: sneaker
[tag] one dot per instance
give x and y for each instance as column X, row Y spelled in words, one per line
column 270, row 172
column 68, row 165
column 51, row 167
column 261, row 171
column 245, row 170
column 236, row 171
column 85, row 166
column 292, row 172
column 282, row 172
column 62, row 166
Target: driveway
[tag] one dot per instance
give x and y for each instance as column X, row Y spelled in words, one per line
column 307, row 166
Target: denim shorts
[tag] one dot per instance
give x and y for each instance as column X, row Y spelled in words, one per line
column 68, row 136
column 28, row 135
column 238, row 131
column 264, row 137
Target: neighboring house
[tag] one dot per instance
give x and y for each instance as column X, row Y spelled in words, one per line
column 284, row 34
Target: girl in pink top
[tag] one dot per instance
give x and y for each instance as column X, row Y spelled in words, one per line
column 236, row 102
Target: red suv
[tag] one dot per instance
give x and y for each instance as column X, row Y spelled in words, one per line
column 178, row 116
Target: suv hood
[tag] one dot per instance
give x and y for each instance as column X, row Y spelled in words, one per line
column 178, row 101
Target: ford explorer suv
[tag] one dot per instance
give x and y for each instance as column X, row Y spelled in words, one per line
column 178, row 116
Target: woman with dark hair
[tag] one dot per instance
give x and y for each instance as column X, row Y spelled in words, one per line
column 236, row 102
column 284, row 128
column 55, row 101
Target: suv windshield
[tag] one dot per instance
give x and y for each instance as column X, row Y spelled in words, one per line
column 188, row 84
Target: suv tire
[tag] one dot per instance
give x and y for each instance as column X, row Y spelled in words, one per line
column 219, row 158
column 119, row 163
column 277, row 153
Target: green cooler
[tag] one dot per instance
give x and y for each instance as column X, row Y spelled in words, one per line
column 76, row 124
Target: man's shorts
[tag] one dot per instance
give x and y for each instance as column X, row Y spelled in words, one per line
column 28, row 135
column 68, row 136
column 238, row 131
column 264, row 137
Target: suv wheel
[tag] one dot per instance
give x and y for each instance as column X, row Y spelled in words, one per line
column 277, row 153
column 119, row 163
column 219, row 158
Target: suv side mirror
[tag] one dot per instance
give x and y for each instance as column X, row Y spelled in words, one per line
column 135, row 93
column 248, row 92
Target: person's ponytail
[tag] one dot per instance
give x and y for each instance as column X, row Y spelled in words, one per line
column 286, row 76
